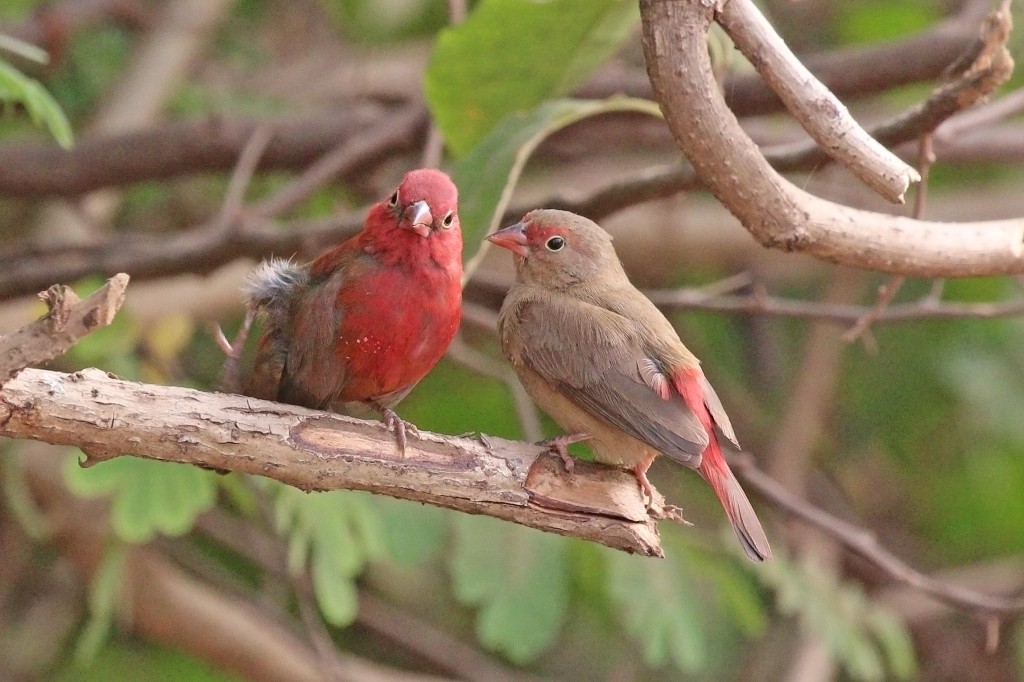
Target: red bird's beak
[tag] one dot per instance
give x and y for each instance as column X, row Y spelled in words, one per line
column 417, row 218
column 512, row 238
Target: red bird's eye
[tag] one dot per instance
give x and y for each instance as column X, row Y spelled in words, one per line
column 393, row 201
column 448, row 219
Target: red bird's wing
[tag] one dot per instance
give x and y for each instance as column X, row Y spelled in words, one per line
column 313, row 375
column 595, row 357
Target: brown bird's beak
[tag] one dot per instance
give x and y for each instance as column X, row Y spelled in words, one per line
column 512, row 238
column 417, row 218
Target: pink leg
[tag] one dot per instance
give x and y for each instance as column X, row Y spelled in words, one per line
column 640, row 471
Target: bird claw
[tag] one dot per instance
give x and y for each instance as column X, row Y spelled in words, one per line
column 559, row 445
column 401, row 427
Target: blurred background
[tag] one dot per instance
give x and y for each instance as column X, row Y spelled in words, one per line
column 182, row 140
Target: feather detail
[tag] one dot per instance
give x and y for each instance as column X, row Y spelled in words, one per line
column 654, row 378
column 737, row 507
column 274, row 280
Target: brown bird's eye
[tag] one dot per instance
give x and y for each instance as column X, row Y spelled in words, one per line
column 554, row 244
column 393, row 201
column 448, row 219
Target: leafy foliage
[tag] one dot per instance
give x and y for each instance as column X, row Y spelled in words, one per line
column 487, row 176
column 147, row 497
column 868, row 640
column 534, row 51
column 519, row 579
column 334, row 534
column 674, row 607
column 103, row 595
column 18, row 89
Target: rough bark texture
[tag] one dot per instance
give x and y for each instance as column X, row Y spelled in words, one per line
column 311, row 450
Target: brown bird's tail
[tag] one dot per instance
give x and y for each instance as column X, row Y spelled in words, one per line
column 737, row 507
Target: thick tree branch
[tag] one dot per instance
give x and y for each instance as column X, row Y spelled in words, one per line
column 311, row 450
column 776, row 212
column 34, row 169
column 210, row 245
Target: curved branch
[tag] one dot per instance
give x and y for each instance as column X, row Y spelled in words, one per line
column 817, row 110
column 776, row 212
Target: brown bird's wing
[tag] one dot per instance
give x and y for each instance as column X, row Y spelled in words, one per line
column 595, row 358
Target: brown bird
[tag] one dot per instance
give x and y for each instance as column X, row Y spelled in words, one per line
column 602, row 360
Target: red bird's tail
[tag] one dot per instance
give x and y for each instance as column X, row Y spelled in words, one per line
column 737, row 507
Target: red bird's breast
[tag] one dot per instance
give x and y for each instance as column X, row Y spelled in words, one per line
column 396, row 326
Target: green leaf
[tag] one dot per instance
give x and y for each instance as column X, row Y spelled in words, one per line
column 414, row 532
column 42, row 108
column 519, row 579
column 867, row 639
column 336, row 534
column 23, row 49
column 335, row 590
column 487, row 176
column 103, row 598
column 149, row 497
column 658, row 607
column 510, row 55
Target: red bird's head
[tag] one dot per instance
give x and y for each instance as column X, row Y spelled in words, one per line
column 418, row 221
column 425, row 203
column 558, row 249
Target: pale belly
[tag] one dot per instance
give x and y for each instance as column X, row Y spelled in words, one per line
column 609, row 445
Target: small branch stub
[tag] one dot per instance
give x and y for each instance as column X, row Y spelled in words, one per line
column 68, row 320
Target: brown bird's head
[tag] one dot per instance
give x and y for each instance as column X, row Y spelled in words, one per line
column 558, row 250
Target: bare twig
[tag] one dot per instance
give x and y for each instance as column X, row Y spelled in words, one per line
column 206, row 246
column 248, row 160
column 367, row 149
column 864, row 543
column 759, row 304
column 925, row 159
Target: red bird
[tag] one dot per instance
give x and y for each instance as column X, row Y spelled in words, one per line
column 596, row 355
column 364, row 322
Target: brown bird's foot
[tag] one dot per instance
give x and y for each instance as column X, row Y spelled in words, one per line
column 647, row 490
column 401, row 427
column 559, row 445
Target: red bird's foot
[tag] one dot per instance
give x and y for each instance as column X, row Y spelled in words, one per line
column 400, row 427
column 559, row 445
